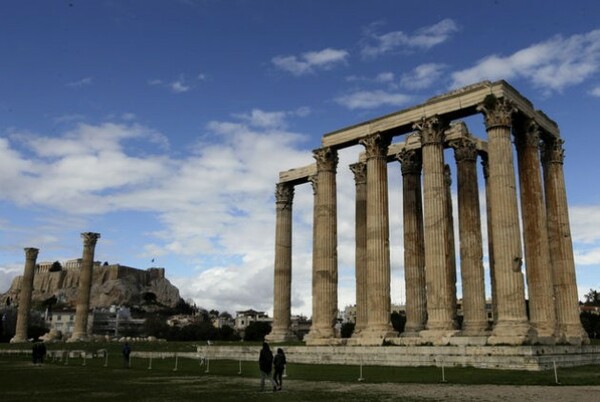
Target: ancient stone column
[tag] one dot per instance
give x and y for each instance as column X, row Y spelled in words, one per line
column 378, row 248
column 488, row 213
column 25, row 296
column 471, row 243
column 414, row 251
column 535, row 234
column 440, row 311
column 84, row 288
column 360, row 179
column 451, row 260
column 512, row 326
column 282, row 287
column 325, row 274
column 561, row 245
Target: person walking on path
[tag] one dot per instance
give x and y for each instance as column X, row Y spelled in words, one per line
column 279, row 363
column 126, row 353
column 265, row 364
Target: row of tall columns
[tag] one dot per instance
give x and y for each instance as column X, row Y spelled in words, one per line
column 429, row 259
column 83, row 292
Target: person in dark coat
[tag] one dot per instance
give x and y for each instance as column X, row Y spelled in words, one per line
column 279, row 363
column 265, row 364
column 126, row 353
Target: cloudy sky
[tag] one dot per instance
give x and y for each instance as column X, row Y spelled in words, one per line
column 163, row 125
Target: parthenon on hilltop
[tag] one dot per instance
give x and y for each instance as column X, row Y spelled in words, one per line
column 543, row 247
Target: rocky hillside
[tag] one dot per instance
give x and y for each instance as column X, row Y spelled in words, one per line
column 112, row 285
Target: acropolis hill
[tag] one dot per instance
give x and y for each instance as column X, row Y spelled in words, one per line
column 112, row 284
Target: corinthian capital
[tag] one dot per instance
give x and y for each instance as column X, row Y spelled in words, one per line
column 90, row 238
column 465, row 150
column 314, row 183
column 360, row 172
column 376, row 145
column 496, row 112
column 326, row 158
column 431, row 129
column 284, row 195
column 31, row 253
column 552, row 151
column 410, row 161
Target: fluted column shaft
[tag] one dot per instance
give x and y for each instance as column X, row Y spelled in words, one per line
column 360, row 179
column 488, row 213
column 451, row 261
column 85, row 286
column 511, row 326
column 378, row 249
column 535, row 234
column 325, row 273
column 561, row 245
column 25, row 296
column 439, row 295
column 282, row 287
column 414, row 250
column 471, row 243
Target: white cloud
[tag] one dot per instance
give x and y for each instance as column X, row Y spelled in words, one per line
column 422, row 76
column 178, row 86
column 372, row 99
column 424, row 38
column 80, row 83
column 310, row 61
column 595, row 91
column 551, row 65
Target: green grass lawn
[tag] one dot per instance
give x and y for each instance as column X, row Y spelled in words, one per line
column 187, row 379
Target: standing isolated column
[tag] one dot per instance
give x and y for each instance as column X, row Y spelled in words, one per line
column 378, row 243
column 325, row 274
column 540, row 290
column 440, row 322
column 414, row 252
column 561, row 245
column 25, row 296
column 360, row 178
column 471, row 243
column 488, row 213
column 282, row 287
column 85, row 286
column 511, row 326
column 451, row 260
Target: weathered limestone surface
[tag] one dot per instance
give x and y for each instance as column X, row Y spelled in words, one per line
column 440, row 322
column 414, row 249
column 282, row 294
column 360, row 178
column 85, row 285
column 535, row 234
column 511, row 326
column 25, row 296
column 325, row 274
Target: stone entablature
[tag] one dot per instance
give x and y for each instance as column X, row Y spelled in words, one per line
column 429, row 240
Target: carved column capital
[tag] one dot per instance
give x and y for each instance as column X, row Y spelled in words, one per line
column 497, row 112
column 431, row 129
column 284, row 195
column 465, row 150
column 529, row 135
column 553, row 151
column 31, row 253
column 326, row 158
column 360, row 172
column 376, row 145
column 90, row 239
column 410, row 160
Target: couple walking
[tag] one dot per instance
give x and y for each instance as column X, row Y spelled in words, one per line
column 266, row 362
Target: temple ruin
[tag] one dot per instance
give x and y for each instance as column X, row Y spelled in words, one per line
column 543, row 247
